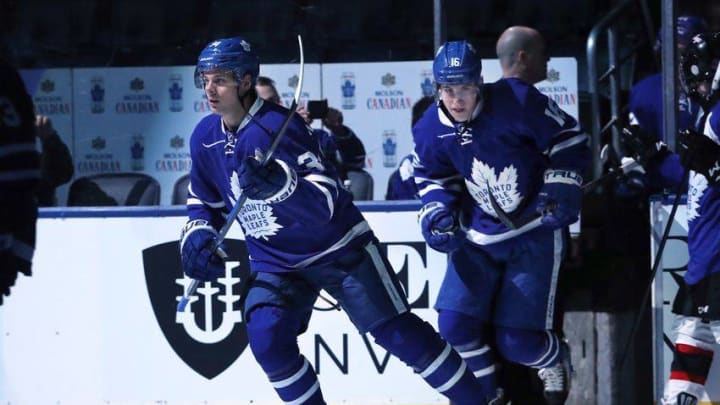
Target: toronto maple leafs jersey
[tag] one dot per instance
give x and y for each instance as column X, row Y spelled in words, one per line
column 703, row 210
column 505, row 149
column 315, row 225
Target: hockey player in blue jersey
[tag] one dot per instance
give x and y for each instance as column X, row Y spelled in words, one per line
column 646, row 95
column 302, row 232
column 19, row 177
column 508, row 140
column 697, row 305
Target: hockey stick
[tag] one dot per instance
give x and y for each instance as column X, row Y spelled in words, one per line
column 268, row 155
column 654, row 269
column 511, row 223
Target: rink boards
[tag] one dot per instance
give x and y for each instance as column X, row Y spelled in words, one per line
column 96, row 323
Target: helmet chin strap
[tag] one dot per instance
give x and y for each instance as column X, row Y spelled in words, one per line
column 461, row 126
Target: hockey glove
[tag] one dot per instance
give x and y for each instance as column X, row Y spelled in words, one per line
column 440, row 227
column 700, row 154
column 271, row 183
column 642, row 146
column 199, row 260
column 560, row 198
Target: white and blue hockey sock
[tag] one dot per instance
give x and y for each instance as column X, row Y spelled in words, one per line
column 418, row 345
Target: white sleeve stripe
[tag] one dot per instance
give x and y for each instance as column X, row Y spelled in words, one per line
column 568, row 143
column 194, row 201
column 216, row 204
column 197, row 201
column 419, row 180
column 318, row 178
column 425, row 190
column 328, row 198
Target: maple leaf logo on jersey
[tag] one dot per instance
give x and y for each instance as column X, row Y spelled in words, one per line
column 696, row 189
column 503, row 187
column 257, row 217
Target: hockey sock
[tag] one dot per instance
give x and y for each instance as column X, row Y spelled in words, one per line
column 689, row 369
column 466, row 334
column 417, row 344
column 537, row 349
column 273, row 339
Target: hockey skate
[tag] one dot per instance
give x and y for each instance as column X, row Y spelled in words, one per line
column 556, row 379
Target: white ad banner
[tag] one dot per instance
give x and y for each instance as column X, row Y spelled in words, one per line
column 665, row 286
column 141, row 119
column 96, row 323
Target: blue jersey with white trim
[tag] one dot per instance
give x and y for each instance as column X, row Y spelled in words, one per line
column 703, row 215
column 315, row 225
column 517, row 135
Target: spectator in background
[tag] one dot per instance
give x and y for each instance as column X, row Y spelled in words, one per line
column 350, row 150
column 19, row 175
column 266, row 89
column 56, row 163
column 401, row 185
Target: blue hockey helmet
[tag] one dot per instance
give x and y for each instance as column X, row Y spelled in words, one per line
column 457, row 62
column 686, row 26
column 699, row 68
column 233, row 54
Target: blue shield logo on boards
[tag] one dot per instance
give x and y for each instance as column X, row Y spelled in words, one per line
column 175, row 90
column 389, row 146
column 137, row 152
column 427, row 85
column 97, row 95
column 207, row 350
column 348, row 90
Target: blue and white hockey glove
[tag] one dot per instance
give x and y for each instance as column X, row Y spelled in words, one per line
column 440, row 227
column 199, row 261
column 560, row 198
column 271, row 183
column 642, row 146
column 700, row 154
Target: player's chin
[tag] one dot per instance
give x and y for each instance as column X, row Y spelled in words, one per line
column 460, row 116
